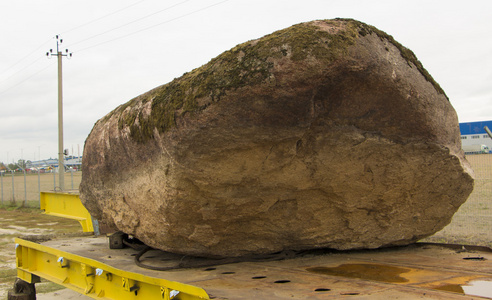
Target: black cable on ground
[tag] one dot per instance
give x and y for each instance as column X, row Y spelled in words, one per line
column 211, row 262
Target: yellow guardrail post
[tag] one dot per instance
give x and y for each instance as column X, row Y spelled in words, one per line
column 67, row 205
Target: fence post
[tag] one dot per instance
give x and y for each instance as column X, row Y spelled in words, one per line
column 1, row 179
column 25, row 189
column 13, row 191
column 71, row 175
column 54, row 180
column 39, row 188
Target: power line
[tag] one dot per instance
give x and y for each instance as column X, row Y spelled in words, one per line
column 107, row 41
column 25, row 57
column 21, row 82
column 36, row 50
column 134, row 21
column 103, row 17
column 155, row 25
column 12, row 75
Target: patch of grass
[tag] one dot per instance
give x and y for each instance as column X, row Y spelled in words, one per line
column 47, row 287
column 16, row 207
column 33, row 217
column 6, row 258
column 7, row 239
column 8, row 275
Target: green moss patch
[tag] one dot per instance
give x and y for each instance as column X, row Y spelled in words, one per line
column 247, row 64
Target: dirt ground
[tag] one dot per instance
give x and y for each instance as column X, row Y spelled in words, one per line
column 20, row 222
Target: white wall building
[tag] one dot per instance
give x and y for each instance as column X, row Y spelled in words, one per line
column 473, row 133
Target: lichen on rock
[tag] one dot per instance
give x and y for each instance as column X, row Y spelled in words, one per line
column 249, row 64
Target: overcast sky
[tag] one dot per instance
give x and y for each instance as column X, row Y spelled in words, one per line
column 123, row 48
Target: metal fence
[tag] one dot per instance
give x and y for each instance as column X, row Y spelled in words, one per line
column 23, row 188
column 472, row 223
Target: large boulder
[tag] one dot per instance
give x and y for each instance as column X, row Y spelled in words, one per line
column 324, row 134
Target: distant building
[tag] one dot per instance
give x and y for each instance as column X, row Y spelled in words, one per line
column 74, row 162
column 473, row 135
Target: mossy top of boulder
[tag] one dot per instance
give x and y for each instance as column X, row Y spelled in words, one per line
column 247, row 64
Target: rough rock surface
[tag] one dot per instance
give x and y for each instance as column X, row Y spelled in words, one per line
column 324, row 134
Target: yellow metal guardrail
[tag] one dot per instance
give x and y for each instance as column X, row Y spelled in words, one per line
column 93, row 278
column 67, row 205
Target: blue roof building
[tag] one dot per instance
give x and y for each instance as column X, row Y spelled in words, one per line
column 471, row 128
column 473, row 133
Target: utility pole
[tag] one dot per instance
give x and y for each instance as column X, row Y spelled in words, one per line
column 61, row 163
